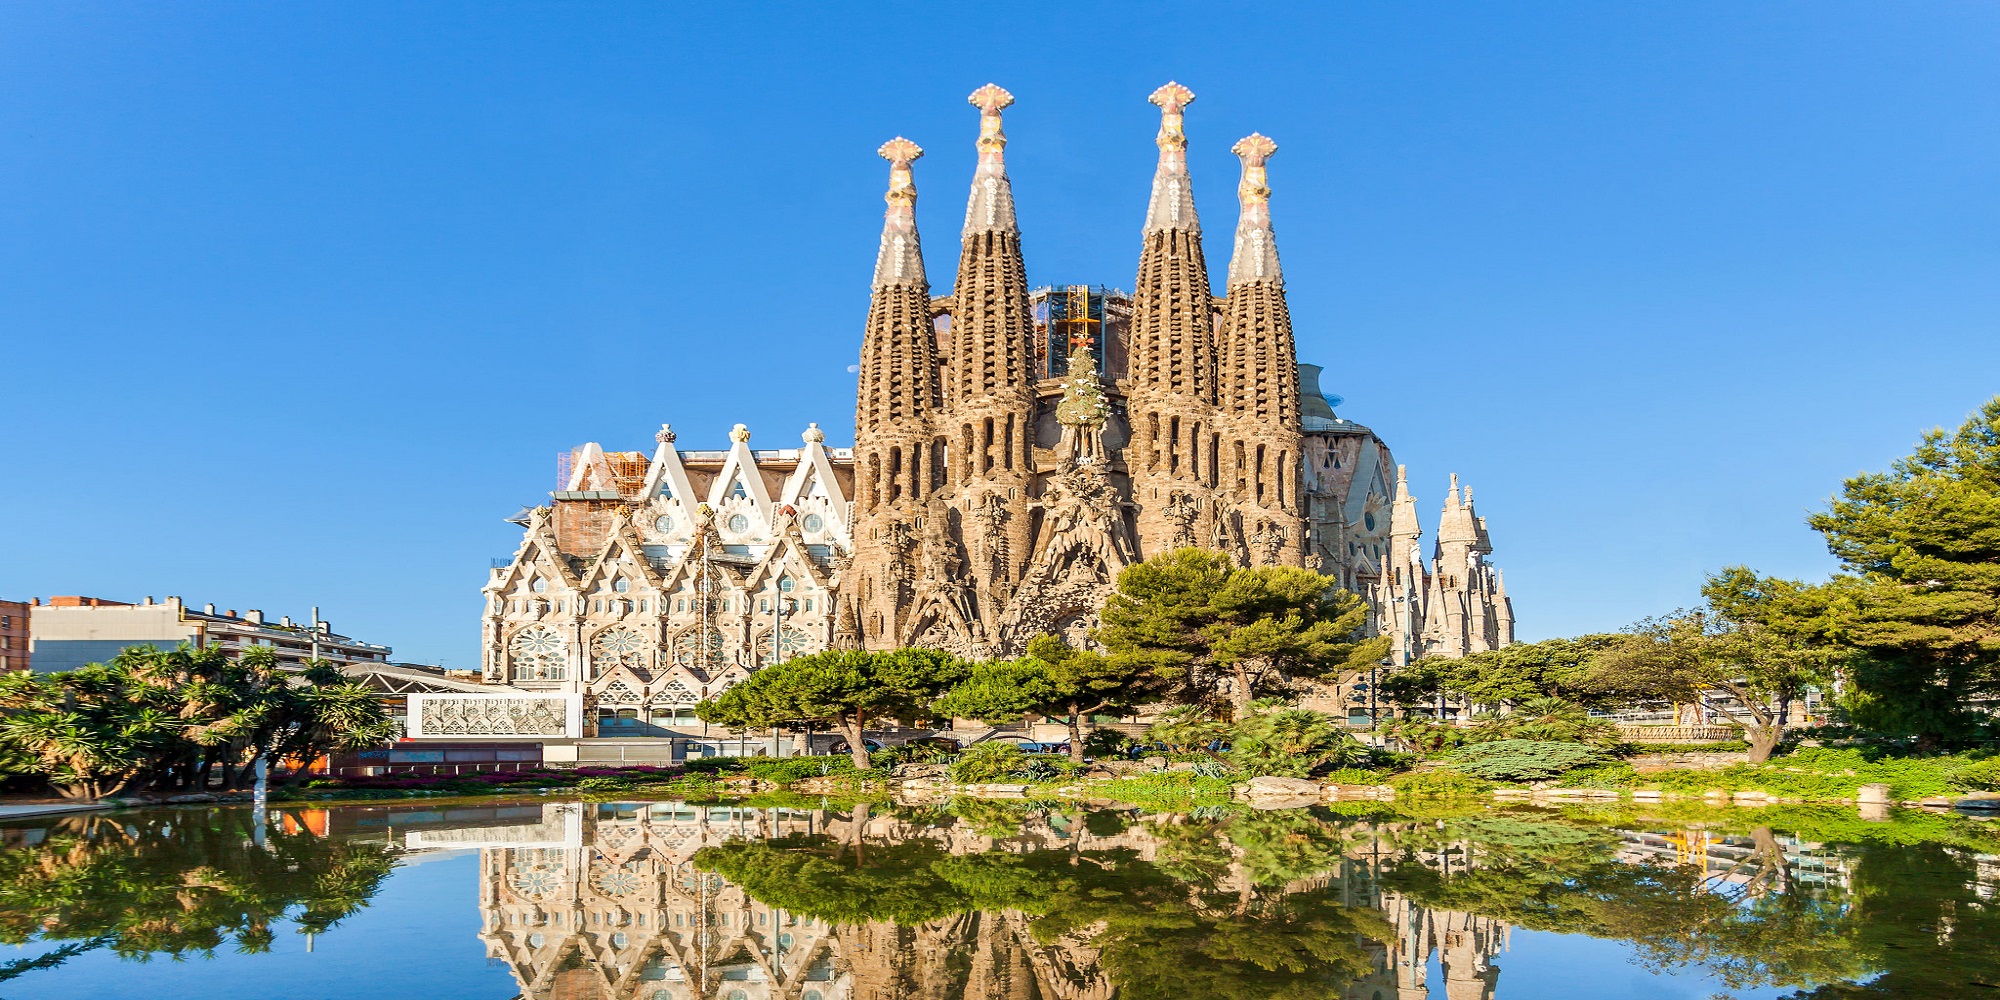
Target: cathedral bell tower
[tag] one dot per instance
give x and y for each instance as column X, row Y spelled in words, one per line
column 985, row 436
column 1258, row 388
column 1173, row 457
column 895, row 406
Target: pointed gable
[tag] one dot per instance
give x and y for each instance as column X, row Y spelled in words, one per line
column 740, row 477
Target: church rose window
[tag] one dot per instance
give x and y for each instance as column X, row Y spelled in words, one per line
column 621, row 585
column 785, row 584
column 664, row 523
column 813, row 522
column 618, row 647
column 537, row 879
column 794, row 643
column 738, row 523
column 688, row 649
column 537, row 653
column 539, row 586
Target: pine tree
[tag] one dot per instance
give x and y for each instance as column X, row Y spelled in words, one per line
column 1924, row 539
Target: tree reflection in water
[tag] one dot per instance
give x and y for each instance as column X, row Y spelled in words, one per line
column 1016, row 900
column 1025, row 901
column 176, row 883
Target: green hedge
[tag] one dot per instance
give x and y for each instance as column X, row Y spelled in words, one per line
column 1521, row 760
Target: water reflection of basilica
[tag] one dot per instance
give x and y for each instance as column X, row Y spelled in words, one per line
column 601, row 902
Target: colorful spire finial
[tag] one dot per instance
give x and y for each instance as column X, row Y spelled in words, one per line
column 900, row 260
column 991, row 206
column 1172, row 99
column 1256, row 256
column 1172, row 205
column 900, row 153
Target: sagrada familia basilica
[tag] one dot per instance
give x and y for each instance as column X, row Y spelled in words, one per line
column 1015, row 448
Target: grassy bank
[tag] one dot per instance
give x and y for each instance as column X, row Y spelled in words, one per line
column 585, row 781
column 1820, row 774
column 1807, row 775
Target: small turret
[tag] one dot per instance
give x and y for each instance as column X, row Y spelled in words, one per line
column 1455, row 524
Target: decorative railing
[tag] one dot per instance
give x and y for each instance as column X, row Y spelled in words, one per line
column 1680, row 734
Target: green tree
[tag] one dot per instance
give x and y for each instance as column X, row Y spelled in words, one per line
column 1924, row 540
column 1551, row 668
column 1755, row 642
column 180, row 718
column 1052, row 680
column 842, row 688
column 92, row 731
column 1546, row 719
column 1187, row 726
column 1206, row 630
column 1291, row 742
column 1416, row 684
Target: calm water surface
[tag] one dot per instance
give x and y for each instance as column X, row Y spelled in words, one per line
column 989, row 900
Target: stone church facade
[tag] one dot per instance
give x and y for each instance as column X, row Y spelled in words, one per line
column 1012, row 454
column 997, row 497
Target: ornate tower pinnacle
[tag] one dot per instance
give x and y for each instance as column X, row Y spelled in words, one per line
column 1256, row 256
column 1403, row 519
column 1455, row 525
column 1172, row 204
column 991, row 206
column 901, row 259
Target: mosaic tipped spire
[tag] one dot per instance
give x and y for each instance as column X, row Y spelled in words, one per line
column 901, row 258
column 991, row 205
column 1172, row 204
column 1256, row 254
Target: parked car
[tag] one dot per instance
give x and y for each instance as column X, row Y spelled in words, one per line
column 840, row 746
column 931, row 749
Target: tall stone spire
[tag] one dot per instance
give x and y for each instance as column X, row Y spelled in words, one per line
column 1171, row 306
column 895, row 405
column 1258, row 387
column 1403, row 527
column 992, row 329
column 1174, row 456
column 899, row 349
column 987, row 431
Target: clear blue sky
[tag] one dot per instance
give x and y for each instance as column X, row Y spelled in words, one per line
column 297, row 301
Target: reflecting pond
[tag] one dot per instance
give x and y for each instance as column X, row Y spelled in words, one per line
column 796, row 899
